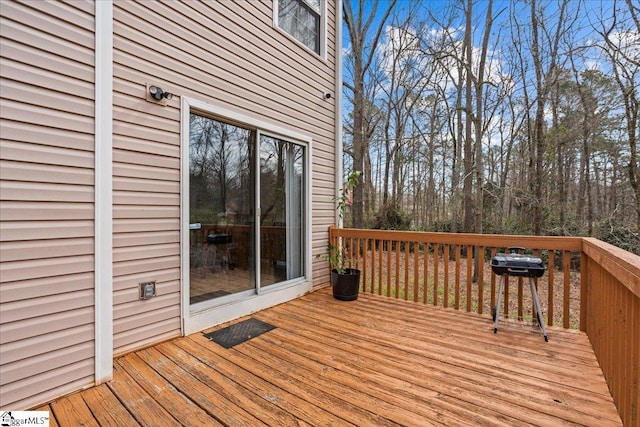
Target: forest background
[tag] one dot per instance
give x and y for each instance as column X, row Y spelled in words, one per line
column 487, row 116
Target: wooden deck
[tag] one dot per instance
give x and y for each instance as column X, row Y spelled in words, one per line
column 370, row 362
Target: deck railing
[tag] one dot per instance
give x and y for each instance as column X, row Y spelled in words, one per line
column 588, row 285
column 610, row 315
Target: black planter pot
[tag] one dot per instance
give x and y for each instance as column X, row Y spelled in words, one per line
column 346, row 285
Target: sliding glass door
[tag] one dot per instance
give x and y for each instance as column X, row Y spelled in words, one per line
column 246, row 210
column 281, row 210
column 221, row 214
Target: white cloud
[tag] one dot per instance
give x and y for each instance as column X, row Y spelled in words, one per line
column 592, row 64
column 627, row 42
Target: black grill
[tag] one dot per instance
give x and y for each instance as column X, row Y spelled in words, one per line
column 218, row 239
column 517, row 265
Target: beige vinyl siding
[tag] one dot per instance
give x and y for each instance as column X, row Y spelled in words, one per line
column 146, row 197
column 227, row 54
column 47, row 196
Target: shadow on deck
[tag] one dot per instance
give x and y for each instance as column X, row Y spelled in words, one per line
column 371, row 362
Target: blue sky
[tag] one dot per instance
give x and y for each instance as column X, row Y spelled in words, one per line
column 588, row 10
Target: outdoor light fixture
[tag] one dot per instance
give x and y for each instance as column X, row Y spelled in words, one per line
column 158, row 94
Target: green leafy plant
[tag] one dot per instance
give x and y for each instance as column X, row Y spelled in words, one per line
column 335, row 258
column 334, row 254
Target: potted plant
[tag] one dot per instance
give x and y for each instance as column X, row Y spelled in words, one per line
column 345, row 280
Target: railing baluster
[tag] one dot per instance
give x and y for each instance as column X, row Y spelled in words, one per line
column 380, row 280
column 406, row 271
column 470, row 259
column 506, row 296
column 520, row 299
column 536, row 252
column 426, row 271
column 567, row 288
column 480, row 279
column 436, row 262
column 456, row 297
column 550, row 279
column 416, row 271
column 359, row 258
column 389, row 244
column 353, row 262
column 584, row 262
column 446, row 257
column 493, row 282
column 373, row 265
column 365, row 256
column 397, row 269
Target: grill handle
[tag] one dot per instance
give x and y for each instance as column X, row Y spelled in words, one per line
column 517, row 270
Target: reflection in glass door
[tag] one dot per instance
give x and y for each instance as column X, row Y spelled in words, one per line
column 221, row 214
column 227, row 163
column 281, row 210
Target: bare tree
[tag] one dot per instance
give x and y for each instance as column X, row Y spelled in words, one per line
column 479, row 123
column 546, row 65
column 515, row 135
column 361, row 56
column 447, row 53
column 621, row 47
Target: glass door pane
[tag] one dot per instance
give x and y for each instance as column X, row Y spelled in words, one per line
column 221, row 215
column 282, row 205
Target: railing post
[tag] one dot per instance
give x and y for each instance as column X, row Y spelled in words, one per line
column 585, row 279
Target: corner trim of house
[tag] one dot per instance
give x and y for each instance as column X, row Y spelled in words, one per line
column 338, row 96
column 185, row 110
column 103, row 216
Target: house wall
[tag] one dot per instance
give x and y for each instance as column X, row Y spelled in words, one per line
column 46, row 200
column 227, row 54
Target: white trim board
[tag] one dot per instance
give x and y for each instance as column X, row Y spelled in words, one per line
column 245, row 306
column 240, row 304
column 338, row 97
column 103, row 216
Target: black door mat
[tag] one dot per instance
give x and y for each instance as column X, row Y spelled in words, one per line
column 239, row 332
column 208, row 295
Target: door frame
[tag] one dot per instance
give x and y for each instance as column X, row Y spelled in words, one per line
column 244, row 303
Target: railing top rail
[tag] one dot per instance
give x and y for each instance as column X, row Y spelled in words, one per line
column 494, row 240
column 623, row 265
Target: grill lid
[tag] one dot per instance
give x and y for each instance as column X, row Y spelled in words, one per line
column 517, row 265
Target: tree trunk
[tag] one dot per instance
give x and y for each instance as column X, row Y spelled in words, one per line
column 358, row 29
column 468, row 138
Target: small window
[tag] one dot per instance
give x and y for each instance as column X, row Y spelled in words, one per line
column 303, row 20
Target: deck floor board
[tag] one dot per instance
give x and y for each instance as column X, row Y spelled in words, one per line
column 106, row 408
column 373, row 361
